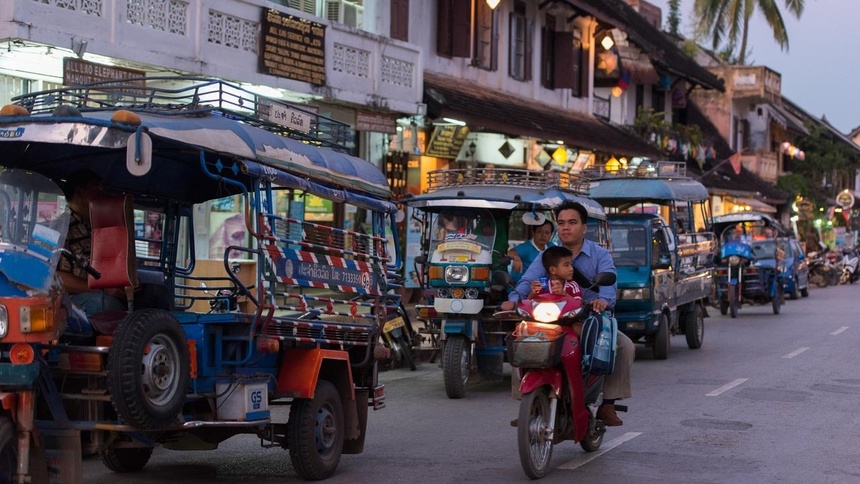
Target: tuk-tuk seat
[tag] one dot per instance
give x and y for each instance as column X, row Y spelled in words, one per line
column 113, row 253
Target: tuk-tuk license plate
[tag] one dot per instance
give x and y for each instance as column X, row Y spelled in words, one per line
column 393, row 324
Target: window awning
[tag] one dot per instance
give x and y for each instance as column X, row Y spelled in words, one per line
column 486, row 109
column 756, row 205
column 787, row 120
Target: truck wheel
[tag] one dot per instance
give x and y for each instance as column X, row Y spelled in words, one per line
column 694, row 327
column 661, row 339
column 147, row 369
column 456, row 365
column 315, row 433
column 126, row 459
column 8, row 449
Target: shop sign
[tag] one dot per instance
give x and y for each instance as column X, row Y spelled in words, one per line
column 377, row 123
column 286, row 116
column 845, row 199
column 77, row 72
column 292, row 47
column 447, row 141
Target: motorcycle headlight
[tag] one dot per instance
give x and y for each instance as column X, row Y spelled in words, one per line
column 546, row 312
column 638, row 293
column 734, row 260
column 4, row 321
column 456, row 275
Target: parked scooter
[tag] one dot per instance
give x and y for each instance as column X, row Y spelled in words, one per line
column 550, row 358
column 850, row 266
column 820, row 271
column 397, row 332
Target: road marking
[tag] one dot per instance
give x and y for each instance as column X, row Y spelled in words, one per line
column 726, row 387
column 796, row 352
column 839, row 330
column 582, row 459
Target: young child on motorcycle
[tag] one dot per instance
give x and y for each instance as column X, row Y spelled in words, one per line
column 558, row 263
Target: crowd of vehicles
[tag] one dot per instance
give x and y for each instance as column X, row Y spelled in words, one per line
column 302, row 312
column 189, row 376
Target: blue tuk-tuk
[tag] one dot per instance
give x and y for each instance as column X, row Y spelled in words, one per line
column 751, row 261
column 468, row 216
column 663, row 251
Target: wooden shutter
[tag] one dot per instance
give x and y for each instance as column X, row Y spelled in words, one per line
column 443, row 27
column 563, row 61
column 461, row 26
column 400, row 20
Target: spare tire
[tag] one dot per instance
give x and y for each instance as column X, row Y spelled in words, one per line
column 148, row 369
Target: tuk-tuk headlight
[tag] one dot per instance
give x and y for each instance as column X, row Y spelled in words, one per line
column 444, row 292
column 471, row 293
column 734, row 260
column 456, row 275
column 4, row 321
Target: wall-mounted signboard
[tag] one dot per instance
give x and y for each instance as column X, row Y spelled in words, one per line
column 447, row 141
column 292, row 47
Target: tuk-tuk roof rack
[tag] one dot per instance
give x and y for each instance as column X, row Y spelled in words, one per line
column 196, row 96
column 506, row 177
column 660, row 169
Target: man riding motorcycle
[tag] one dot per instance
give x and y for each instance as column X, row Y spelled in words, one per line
column 588, row 260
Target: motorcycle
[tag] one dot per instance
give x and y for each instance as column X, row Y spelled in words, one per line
column 397, row 332
column 548, row 352
column 850, row 266
column 820, row 271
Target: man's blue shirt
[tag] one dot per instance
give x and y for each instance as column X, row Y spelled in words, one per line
column 591, row 260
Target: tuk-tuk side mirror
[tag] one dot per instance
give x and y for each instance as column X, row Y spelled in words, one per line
column 421, row 259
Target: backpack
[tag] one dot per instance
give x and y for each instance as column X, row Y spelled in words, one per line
column 598, row 341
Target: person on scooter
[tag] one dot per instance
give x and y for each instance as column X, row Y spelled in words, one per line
column 589, row 259
column 558, row 264
column 524, row 254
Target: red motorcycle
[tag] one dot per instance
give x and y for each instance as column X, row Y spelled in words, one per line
column 548, row 352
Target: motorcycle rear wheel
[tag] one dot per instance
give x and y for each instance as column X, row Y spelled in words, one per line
column 535, row 446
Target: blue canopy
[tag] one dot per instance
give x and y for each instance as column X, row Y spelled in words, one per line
column 614, row 192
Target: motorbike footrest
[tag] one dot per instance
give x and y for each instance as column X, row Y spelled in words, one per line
column 620, row 408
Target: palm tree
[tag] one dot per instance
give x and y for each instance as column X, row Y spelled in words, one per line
column 729, row 19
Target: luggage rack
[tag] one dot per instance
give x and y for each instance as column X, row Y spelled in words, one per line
column 660, row 169
column 475, row 177
column 195, row 96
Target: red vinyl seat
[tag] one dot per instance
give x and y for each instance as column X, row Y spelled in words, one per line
column 113, row 253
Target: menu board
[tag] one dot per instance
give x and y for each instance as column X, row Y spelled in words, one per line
column 293, row 48
column 447, row 141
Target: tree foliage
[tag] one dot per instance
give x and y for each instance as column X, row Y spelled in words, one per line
column 674, row 18
column 726, row 22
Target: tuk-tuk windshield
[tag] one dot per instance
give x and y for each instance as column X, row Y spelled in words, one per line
column 629, row 245
column 474, row 227
column 33, row 226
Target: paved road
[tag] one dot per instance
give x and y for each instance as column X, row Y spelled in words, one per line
column 767, row 399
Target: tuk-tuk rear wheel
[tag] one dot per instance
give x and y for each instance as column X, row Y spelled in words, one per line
column 316, row 432
column 662, row 339
column 126, row 459
column 694, row 327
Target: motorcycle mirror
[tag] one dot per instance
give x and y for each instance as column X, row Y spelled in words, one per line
column 604, row 279
column 534, row 218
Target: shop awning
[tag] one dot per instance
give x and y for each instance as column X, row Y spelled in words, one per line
column 755, row 205
column 486, row 109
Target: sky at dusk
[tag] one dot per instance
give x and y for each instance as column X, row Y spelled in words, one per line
column 821, row 69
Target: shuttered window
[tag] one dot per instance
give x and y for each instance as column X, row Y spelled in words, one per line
column 453, row 28
column 486, row 37
column 520, row 45
column 400, row 20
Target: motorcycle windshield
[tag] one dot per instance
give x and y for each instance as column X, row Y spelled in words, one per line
column 463, row 236
column 34, row 221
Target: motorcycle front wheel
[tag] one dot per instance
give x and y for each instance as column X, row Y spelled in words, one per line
column 533, row 440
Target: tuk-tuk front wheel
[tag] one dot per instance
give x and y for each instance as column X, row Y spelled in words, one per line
column 315, row 433
column 148, row 369
column 724, row 306
column 694, row 327
column 126, row 459
column 456, row 365
column 734, row 300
